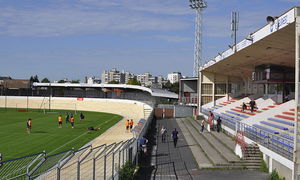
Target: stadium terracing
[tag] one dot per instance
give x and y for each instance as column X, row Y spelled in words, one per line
column 263, row 67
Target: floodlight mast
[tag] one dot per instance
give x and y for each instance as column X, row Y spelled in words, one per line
column 198, row 5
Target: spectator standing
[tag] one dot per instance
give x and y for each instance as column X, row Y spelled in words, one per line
column 219, row 121
column 210, row 120
column 29, row 124
column 252, row 105
column 175, row 137
column 244, row 106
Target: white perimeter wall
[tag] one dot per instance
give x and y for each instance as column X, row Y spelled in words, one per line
column 126, row 108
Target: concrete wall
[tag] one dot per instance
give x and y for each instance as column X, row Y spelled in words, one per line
column 125, row 108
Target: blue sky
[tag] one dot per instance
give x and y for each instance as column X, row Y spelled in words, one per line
column 78, row 38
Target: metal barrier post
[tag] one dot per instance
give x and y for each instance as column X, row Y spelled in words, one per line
column 112, row 165
column 104, row 173
column 94, row 168
column 78, row 170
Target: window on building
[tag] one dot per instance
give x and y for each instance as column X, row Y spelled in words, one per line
column 206, row 89
column 206, row 99
column 220, row 88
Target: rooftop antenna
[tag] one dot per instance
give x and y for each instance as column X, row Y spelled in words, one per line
column 234, row 27
column 198, row 5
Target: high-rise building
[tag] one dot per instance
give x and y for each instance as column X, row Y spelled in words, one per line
column 112, row 75
column 174, row 77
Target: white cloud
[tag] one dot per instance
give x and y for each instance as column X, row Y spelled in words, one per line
column 83, row 18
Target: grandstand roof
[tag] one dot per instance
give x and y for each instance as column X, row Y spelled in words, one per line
column 271, row 44
column 153, row 92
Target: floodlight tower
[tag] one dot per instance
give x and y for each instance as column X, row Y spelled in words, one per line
column 198, row 5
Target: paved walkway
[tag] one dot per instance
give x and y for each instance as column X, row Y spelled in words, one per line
column 163, row 161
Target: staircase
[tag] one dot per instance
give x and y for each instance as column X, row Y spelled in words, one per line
column 147, row 111
column 217, row 149
column 252, row 157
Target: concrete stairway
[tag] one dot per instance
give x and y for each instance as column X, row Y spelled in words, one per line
column 217, row 149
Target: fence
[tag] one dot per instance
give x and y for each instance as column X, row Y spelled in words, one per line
column 101, row 162
column 274, row 142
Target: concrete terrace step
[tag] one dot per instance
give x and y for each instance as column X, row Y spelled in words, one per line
column 200, row 157
column 223, row 150
column 223, row 138
column 209, row 150
column 285, row 117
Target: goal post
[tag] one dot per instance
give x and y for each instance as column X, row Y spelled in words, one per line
column 54, row 107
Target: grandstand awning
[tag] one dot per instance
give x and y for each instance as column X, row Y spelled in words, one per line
column 272, row 44
column 153, row 92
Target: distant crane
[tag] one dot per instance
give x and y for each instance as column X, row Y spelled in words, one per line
column 198, row 5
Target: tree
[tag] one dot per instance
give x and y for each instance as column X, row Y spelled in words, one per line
column 61, row 81
column 113, row 82
column 171, row 87
column 75, row 81
column 133, row 81
column 34, row 78
column 45, row 80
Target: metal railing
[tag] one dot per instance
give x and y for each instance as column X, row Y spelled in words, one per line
column 274, row 142
column 101, row 162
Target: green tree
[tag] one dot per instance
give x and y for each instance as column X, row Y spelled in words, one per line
column 61, row 81
column 113, row 82
column 133, row 81
column 75, row 81
column 171, row 87
column 34, row 79
column 45, row 80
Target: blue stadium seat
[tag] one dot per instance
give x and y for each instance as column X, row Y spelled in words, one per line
column 281, row 121
column 274, row 125
column 266, row 129
column 238, row 114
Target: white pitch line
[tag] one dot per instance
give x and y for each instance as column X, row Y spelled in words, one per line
column 78, row 137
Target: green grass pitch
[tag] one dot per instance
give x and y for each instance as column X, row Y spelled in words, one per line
column 45, row 134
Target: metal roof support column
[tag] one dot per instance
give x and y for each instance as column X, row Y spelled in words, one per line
column 296, row 154
column 199, row 83
column 227, row 84
column 213, row 89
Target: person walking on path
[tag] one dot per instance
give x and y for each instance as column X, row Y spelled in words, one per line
column 131, row 124
column 59, row 121
column 127, row 125
column 202, row 125
column 244, row 106
column 175, row 137
column 143, row 144
column 72, row 121
column 163, row 133
column 29, row 124
column 252, row 105
column 219, row 121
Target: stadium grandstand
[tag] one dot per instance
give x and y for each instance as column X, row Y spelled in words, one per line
column 263, row 67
